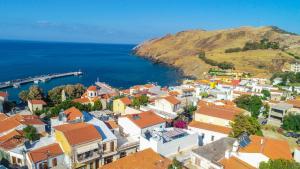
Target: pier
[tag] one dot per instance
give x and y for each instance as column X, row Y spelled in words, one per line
column 42, row 78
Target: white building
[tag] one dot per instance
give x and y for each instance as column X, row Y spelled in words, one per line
column 169, row 141
column 135, row 125
column 208, row 132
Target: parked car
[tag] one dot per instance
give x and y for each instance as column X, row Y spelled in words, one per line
column 292, row 134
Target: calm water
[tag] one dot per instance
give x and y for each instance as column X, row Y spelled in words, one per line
column 111, row 63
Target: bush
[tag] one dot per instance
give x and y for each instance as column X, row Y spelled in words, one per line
column 244, row 123
column 30, row 133
column 252, row 104
column 231, row 50
column 279, row 164
column 222, row 65
column 291, row 122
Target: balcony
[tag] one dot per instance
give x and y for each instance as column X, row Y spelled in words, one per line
column 87, row 156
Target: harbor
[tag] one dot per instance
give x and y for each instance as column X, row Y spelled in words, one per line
column 42, row 78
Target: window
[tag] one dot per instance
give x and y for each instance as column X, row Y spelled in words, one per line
column 202, row 135
column 112, row 146
column 212, row 138
column 19, row 161
column 54, row 162
column 104, row 147
column 123, row 154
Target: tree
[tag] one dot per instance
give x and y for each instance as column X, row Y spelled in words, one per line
column 252, row 104
column 30, row 133
column 23, row 95
column 279, row 164
column 97, row 105
column 71, row 91
column 35, row 92
column 291, row 122
column 244, row 123
column 266, row 94
column 138, row 101
column 175, row 164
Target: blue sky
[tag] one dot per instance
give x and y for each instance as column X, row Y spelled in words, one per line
column 133, row 21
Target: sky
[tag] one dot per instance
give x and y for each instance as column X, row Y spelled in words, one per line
column 134, row 21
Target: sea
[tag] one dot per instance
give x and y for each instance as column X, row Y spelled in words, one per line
column 114, row 64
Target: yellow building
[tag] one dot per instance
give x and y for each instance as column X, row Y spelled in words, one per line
column 83, row 145
column 119, row 105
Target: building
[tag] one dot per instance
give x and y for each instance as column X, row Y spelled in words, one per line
column 277, row 112
column 295, row 67
column 245, row 151
column 208, row 132
column 48, row 156
column 146, row 159
column 168, row 141
column 71, row 115
column 168, row 104
column 36, row 105
column 217, row 113
column 3, row 98
column 90, row 97
column 119, row 105
column 136, row 124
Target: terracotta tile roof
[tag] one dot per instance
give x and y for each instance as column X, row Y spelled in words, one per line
column 210, row 127
column 28, row 119
column 37, row 102
column 73, row 113
column 171, row 99
column 295, row 103
column 235, row 163
column 82, row 100
column 45, row 152
column 3, row 116
column 3, row 94
column 10, row 135
column 112, row 124
column 173, row 93
column 92, row 88
column 146, row 159
column 8, row 124
column 227, row 112
column 12, row 143
column 79, row 133
column 127, row 91
column 125, row 100
column 149, row 85
column 145, row 119
column 272, row 148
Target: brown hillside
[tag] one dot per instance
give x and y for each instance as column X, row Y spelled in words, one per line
column 181, row 50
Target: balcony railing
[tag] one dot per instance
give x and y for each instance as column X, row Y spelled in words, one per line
column 88, row 156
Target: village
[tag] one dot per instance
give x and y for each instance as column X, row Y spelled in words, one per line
column 220, row 122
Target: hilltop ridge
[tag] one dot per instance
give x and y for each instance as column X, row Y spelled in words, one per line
column 181, row 50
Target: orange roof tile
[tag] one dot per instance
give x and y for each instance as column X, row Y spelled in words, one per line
column 145, row 119
column 79, row 133
column 8, row 124
column 82, row 100
column 173, row 93
column 37, row 102
column 235, row 163
column 28, row 119
column 10, row 135
column 272, row 148
column 111, row 124
column 92, row 88
column 45, row 152
column 295, row 103
column 73, row 113
column 171, row 99
column 227, row 112
column 125, row 100
column 146, row 159
column 12, row 143
column 210, row 127
column 3, row 116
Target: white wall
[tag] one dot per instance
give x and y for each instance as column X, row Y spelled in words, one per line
column 171, row 147
column 253, row 159
column 164, row 105
column 207, row 135
column 297, row 155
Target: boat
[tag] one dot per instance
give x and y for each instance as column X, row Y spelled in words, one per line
column 16, row 85
column 36, row 81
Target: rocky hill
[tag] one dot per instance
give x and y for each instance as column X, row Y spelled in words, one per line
column 257, row 50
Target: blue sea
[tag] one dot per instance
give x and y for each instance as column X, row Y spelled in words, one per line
column 111, row 63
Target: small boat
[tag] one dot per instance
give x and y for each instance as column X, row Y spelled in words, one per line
column 36, row 81
column 16, row 85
